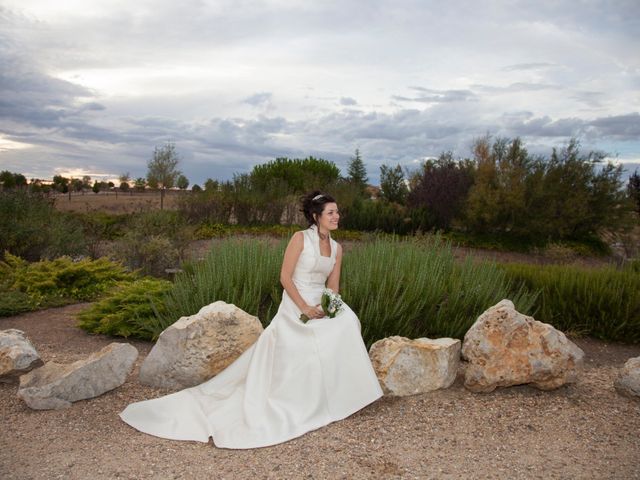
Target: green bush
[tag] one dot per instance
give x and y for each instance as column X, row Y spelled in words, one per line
column 57, row 282
column 13, row 302
column 376, row 215
column 154, row 242
column 412, row 288
column 603, row 303
column 100, row 227
column 33, row 229
column 132, row 309
column 415, row 288
column 242, row 272
column 150, row 255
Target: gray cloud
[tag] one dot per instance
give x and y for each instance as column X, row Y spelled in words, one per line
column 34, row 98
column 209, row 82
column 258, row 99
column 516, row 87
column 527, row 66
column 623, row 127
column 347, row 101
column 438, row 96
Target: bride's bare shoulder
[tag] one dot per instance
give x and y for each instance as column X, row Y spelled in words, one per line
column 338, row 246
column 297, row 237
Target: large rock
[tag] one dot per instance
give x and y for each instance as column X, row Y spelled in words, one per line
column 505, row 347
column 407, row 367
column 55, row 385
column 197, row 347
column 628, row 382
column 17, row 355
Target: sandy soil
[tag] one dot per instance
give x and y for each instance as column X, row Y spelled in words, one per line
column 584, row 430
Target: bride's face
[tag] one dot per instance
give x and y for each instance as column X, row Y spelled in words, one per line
column 329, row 218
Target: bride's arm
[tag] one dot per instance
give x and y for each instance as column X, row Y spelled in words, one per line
column 291, row 255
column 333, row 281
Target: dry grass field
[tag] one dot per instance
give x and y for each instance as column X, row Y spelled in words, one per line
column 110, row 202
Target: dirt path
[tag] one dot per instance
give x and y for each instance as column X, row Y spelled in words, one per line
column 585, row 430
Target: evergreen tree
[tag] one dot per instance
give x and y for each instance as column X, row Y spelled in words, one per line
column 357, row 172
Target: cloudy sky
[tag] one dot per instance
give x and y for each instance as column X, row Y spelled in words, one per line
column 91, row 87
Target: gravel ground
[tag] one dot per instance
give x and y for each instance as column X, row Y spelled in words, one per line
column 584, row 430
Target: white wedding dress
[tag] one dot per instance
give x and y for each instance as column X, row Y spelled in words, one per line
column 295, row 378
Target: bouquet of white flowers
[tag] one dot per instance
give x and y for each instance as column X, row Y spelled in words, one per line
column 331, row 303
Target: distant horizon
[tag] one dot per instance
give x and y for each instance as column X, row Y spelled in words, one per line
column 627, row 172
column 90, row 88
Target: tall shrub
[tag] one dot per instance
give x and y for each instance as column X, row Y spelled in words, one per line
column 396, row 287
column 32, row 229
column 600, row 302
column 415, row 288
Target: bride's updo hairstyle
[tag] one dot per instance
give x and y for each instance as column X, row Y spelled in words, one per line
column 314, row 202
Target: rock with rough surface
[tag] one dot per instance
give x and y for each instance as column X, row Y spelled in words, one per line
column 407, row 367
column 628, row 382
column 17, row 355
column 505, row 347
column 55, row 385
column 197, row 347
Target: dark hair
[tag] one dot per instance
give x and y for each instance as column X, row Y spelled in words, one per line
column 314, row 202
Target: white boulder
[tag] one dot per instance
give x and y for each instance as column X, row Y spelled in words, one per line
column 197, row 347
column 628, row 381
column 408, row 367
column 17, row 355
column 55, row 385
column 504, row 347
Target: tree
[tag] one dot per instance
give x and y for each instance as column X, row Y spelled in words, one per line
column 357, row 172
column 182, row 183
column 211, row 185
column 295, row 175
column 568, row 196
column 392, row 184
column 124, row 179
column 140, row 184
column 196, row 188
column 162, row 169
column 20, row 179
column 10, row 180
column 60, row 183
column 76, row 185
column 441, row 190
column 501, row 197
column 86, row 182
column 7, row 180
column 633, row 189
column 96, row 187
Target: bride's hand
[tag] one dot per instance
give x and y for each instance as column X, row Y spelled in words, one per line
column 313, row 312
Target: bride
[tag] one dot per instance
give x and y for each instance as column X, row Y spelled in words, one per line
column 296, row 377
